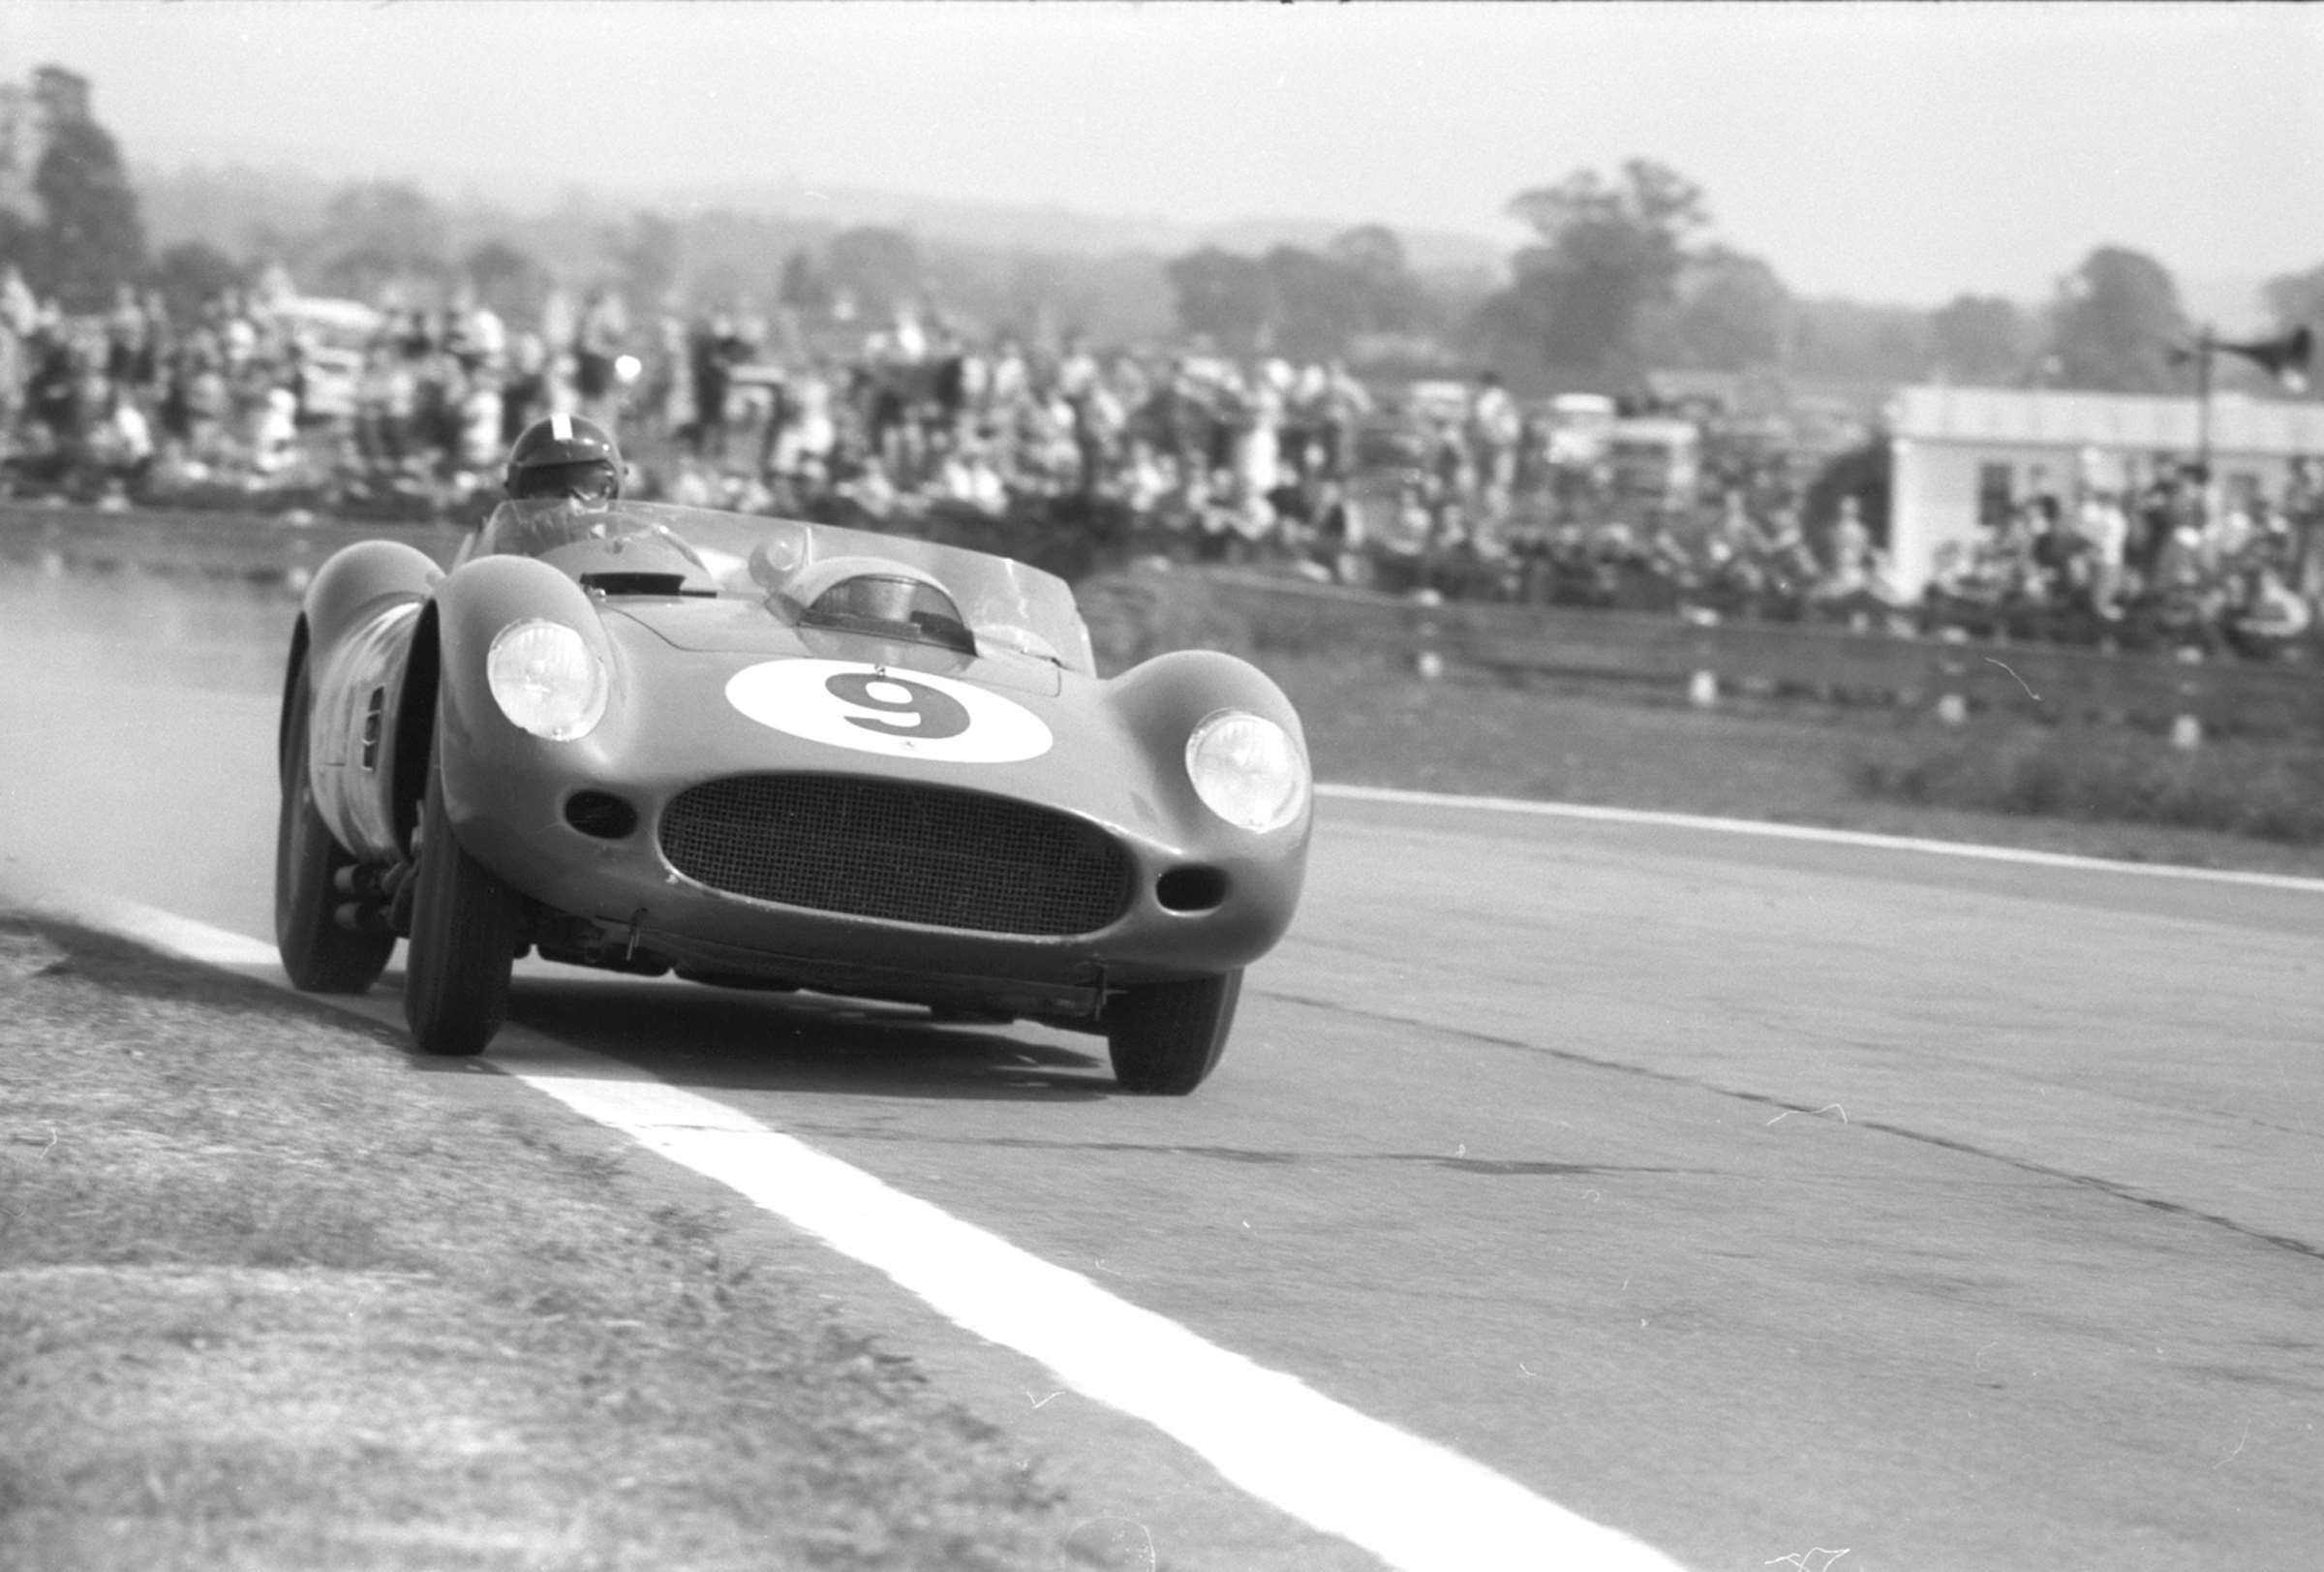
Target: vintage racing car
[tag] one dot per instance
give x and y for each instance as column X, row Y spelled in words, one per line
column 759, row 753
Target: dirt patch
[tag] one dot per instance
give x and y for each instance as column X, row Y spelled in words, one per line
column 266, row 1299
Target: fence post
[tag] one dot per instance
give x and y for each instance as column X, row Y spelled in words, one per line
column 2186, row 726
column 1428, row 662
column 1702, row 685
column 1952, row 671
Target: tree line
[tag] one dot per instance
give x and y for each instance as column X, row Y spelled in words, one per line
column 1623, row 274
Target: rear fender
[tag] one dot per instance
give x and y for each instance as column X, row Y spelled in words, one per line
column 345, row 652
column 294, row 677
column 348, row 590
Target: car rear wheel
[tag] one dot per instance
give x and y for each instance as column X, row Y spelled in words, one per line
column 321, row 956
column 1167, row 1037
column 464, row 927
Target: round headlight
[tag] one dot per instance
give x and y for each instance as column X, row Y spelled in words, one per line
column 1247, row 770
column 545, row 679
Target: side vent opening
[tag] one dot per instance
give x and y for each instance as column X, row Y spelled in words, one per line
column 1191, row 889
column 600, row 814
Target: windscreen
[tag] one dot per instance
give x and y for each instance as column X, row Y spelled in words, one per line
column 1006, row 604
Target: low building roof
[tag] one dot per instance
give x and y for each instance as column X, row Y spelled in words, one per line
column 2050, row 417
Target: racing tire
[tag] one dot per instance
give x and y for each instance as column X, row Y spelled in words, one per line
column 320, row 956
column 463, row 947
column 1167, row 1037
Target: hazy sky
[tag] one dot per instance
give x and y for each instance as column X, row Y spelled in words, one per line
column 1902, row 153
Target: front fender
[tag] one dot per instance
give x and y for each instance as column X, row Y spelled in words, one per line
column 473, row 739
column 1160, row 702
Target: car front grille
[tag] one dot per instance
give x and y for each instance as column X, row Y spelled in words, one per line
column 899, row 852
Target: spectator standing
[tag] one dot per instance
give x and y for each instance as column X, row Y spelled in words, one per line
column 713, row 353
column 13, row 371
column 2303, row 517
column 1494, row 429
column 1345, row 404
column 2105, row 532
column 524, row 388
column 602, row 328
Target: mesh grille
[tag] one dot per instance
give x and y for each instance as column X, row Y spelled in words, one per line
column 895, row 851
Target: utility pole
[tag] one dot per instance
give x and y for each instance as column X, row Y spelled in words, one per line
column 2205, row 344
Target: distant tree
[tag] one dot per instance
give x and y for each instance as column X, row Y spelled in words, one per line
column 1371, row 250
column 379, row 234
column 191, row 274
column 878, row 268
column 63, row 96
column 506, row 278
column 1299, row 303
column 1037, row 295
column 19, row 242
column 1314, row 305
column 91, row 238
column 1847, row 341
column 648, row 254
column 803, row 287
column 1222, row 297
column 1121, row 298
column 1732, row 312
column 1394, row 300
column 1982, row 338
column 2295, row 299
column 1609, row 252
column 2115, row 323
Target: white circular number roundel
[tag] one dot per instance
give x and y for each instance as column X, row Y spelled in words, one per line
column 901, row 714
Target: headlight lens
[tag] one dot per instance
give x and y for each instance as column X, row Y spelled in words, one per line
column 545, row 679
column 1247, row 770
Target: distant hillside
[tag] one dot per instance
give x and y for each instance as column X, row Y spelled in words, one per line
column 230, row 208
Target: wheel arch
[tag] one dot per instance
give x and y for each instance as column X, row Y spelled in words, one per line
column 294, row 676
column 413, row 750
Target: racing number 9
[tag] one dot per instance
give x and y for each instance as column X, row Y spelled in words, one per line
column 918, row 712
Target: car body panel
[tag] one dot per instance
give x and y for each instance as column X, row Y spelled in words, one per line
column 720, row 669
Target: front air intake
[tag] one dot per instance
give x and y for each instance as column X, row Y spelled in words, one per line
column 899, row 852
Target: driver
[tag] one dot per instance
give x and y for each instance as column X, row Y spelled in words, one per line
column 564, row 456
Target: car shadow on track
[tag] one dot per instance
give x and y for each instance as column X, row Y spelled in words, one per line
column 720, row 1039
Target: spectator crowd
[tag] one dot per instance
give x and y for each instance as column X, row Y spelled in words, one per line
column 1072, row 456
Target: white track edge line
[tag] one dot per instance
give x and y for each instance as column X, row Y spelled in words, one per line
column 1867, row 838
column 1415, row 1503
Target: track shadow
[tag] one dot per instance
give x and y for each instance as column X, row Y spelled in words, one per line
column 689, row 1034
column 712, row 1039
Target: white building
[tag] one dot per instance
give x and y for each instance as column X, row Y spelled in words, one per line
column 1963, row 455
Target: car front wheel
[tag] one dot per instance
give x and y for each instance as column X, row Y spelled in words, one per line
column 464, row 928
column 1167, row 1037
column 320, row 956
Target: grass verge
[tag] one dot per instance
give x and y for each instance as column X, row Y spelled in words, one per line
column 2243, row 789
column 2127, row 796
column 262, row 1306
column 1370, row 720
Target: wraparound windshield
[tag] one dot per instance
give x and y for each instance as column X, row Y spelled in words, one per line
column 1006, row 604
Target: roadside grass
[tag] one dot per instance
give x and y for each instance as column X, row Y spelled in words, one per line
column 268, row 1302
column 1371, row 721
column 2127, row 796
column 2238, row 787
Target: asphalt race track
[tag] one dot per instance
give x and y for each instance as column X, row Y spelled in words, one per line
column 1760, row 1199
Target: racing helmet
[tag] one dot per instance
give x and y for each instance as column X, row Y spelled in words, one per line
column 564, row 455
